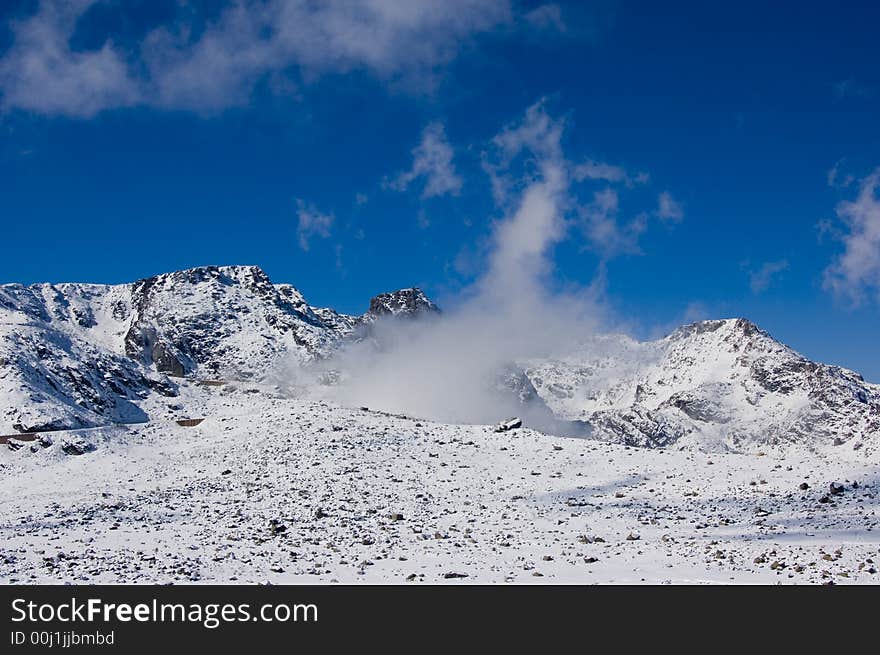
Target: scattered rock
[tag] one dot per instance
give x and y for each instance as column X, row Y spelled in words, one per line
column 276, row 526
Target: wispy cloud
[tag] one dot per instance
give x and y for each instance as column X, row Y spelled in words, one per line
column 608, row 230
column 548, row 16
column 761, row 278
column 312, row 223
column 279, row 42
column 41, row 73
column 596, row 170
column 538, row 133
column 668, row 208
column 855, row 273
column 433, row 162
column 608, row 234
column 837, row 178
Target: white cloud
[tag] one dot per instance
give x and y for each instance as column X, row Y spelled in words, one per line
column 595, row 170
column 607, row 234
column 760, row 279
column 42, row 74
column 535, row 221
column 855, row 273
column 433, row 162
column 668, row 208
column 249, row 42
column 537, row 134
column 312, row 223
column 837, row 179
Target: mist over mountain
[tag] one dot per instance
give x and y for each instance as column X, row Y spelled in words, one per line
column 79, row 355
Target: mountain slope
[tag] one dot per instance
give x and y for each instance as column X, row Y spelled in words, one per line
column 723, row 383
column 222, row 322
column 60, row 359
column 80, row 355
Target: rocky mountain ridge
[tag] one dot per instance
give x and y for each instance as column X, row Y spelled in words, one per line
column 79, row 355
column 723, row 383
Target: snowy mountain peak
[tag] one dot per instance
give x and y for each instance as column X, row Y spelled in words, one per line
column 723, row 383
column 410, row 302
column 74, row 355
column 724, row 328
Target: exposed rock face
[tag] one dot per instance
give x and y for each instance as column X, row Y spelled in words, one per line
column 512, row 379
column 228, row 321
column 62, row 361
column 722, row 383
column 409, row 303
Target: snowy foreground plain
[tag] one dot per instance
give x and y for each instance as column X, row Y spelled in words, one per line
column 278, row 490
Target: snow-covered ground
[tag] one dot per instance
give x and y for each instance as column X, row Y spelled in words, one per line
column 280, row 490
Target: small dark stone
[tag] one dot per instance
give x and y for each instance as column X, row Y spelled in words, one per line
column 276, row 526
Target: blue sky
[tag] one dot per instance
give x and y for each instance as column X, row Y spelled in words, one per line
column 347, row 149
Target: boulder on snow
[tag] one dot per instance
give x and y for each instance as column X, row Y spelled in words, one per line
column 509, row 424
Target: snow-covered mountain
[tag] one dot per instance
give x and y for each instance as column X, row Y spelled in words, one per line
column 78, row 355
column 720, row 383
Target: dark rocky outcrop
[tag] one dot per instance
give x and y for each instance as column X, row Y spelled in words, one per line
column 409, row 303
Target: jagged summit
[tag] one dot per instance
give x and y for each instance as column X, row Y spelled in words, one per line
column 741, row 326
column 410, row 302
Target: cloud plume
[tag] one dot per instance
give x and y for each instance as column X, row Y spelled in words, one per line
column 463, row 365
column 468, row 364
column 311, row 223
